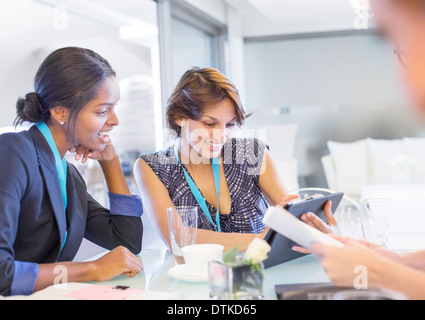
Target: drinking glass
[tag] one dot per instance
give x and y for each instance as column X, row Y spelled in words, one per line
column 349, row 220
column 183, row 226
column 376, row 219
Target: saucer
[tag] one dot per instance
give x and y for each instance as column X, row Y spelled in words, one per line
column 180, row 272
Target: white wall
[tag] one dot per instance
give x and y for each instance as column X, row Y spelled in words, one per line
column 337, row 88
column 351, row 70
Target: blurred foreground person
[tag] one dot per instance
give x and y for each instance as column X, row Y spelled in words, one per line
column 403, row 21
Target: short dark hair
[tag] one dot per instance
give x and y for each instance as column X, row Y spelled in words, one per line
column 68, row 77
column 197, row 89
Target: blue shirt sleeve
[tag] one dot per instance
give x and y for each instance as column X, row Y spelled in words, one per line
column 120, row 204
column 24, row 278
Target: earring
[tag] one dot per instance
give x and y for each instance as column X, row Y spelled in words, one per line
column 62, row 123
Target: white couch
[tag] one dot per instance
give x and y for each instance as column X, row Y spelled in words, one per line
column 374, row 161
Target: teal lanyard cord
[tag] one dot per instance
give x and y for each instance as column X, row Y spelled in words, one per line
column 61, row 165
column 197, row 194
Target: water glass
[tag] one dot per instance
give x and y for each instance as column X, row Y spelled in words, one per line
column 376, row 219
column 182, row 226
column 349, row 220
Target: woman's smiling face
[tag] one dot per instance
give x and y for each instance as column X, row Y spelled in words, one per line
column 207, row 135
column 97, row 118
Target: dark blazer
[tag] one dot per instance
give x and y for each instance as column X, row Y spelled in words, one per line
column 32, row 220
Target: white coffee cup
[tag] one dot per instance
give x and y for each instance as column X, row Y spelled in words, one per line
column 197, row 256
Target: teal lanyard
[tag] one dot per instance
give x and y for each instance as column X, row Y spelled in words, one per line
column 61, row 165
column 197, row 194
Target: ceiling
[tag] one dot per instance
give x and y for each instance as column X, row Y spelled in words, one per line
column 272, row 17
column 260, row 17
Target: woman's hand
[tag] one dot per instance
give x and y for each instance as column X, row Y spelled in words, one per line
column 286, row 199
column 109, row 162
column 116, row 262
column 376, row 248
column 314, row 221
column 82, row 153
column 344, row 265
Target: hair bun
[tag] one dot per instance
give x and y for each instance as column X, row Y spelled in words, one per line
column 29, row 109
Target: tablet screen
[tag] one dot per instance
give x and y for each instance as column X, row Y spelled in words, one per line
column 282, row 246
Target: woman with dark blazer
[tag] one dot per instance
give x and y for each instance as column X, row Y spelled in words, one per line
column 45, row 210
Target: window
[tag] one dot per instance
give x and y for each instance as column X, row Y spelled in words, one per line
column 188, row 38
column 191, row 47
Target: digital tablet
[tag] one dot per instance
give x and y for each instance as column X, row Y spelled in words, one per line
column 287, row 231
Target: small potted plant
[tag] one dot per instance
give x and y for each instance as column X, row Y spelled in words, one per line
column 240, row 274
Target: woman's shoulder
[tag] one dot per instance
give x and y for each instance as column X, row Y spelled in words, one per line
column 16, row 142
column 19, row 156
column 247, row 141
column 11, row 137
column 163, row 163
column 159, row 158
column 160, row 161
column 246, row 147
column 246, row 153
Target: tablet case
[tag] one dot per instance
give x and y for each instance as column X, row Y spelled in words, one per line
column 327, row 291
column 307, row 291
column 281, row 247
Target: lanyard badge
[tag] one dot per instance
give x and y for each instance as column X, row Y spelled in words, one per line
column 197, row 194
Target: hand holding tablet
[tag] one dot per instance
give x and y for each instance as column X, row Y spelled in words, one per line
column 291, row 227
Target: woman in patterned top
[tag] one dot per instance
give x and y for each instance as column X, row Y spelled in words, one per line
column 202, row 112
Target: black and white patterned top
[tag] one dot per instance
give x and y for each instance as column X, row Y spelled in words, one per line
column 242, row 159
